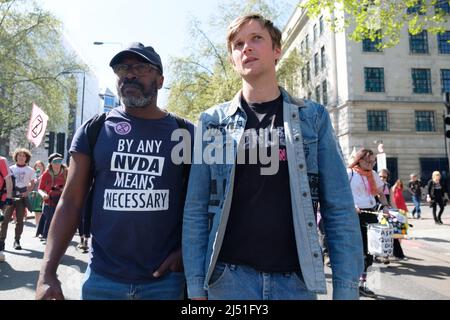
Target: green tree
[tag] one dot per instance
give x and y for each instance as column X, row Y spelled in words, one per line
column 33, row 62
column 381, row 19
column 289, row 69
column 205, row 77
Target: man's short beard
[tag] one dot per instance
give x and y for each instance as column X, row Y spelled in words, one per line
column 140, row 102
column 135, row 102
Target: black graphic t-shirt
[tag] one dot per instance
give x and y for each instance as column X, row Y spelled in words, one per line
column 260, row 231
column 415, row 188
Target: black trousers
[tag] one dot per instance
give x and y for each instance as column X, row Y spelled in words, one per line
column 364, row 220
column 398, row 251
column 437, row 201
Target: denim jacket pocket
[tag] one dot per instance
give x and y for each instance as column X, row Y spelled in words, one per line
column 218, row 273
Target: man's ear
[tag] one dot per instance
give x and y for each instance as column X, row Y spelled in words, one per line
column 277, row 52
column 160, row 82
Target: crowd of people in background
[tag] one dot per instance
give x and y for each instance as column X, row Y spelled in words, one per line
column 29, row 192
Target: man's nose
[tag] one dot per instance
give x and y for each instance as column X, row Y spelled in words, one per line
column 247, row 47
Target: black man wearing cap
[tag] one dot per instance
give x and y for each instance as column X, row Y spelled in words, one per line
column 137, row 194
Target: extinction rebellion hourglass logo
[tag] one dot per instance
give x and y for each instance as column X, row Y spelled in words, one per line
column 37, row 126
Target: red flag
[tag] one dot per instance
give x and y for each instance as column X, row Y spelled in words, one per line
column 38, row 124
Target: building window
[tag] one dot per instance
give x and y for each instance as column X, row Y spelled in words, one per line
column 318, row 94
column 321, row 25
column 307, row 42
column 417, row 8
column 315, row 35
column 421, row 80
column 372, row 46
column 308, row 72
column 443, row 42
column 377, row 120
column 445, row 80
column 322, row 57
column 418, row 43
column 302, row 46
column 374, row 78
column 324, row 93
column 425, row 121
column 316, row 64
column 110, row 101
column 303, row 76
column 443, row 6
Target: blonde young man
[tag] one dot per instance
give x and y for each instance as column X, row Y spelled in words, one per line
column 267, row 161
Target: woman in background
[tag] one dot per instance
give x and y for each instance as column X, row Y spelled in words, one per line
column 435, row 195
column 35, row 197
column 51, row 187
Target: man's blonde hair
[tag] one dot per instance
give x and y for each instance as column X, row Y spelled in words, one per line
column 236, row 25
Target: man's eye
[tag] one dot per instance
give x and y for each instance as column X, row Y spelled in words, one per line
column 139, row 67
column 121, row 68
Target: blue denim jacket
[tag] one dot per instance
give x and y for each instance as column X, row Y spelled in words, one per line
column 317, row 174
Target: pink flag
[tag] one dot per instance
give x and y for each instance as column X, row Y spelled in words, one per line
column 38, row 124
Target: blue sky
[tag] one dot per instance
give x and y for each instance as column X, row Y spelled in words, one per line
column 162, row 24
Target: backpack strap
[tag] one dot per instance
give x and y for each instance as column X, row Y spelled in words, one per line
column 93, row 127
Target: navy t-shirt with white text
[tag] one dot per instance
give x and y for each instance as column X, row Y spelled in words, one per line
column 137, row 201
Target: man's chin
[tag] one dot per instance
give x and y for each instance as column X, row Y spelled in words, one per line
column 136, row 102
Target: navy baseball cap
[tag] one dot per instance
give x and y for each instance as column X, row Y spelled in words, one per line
column 148, row 53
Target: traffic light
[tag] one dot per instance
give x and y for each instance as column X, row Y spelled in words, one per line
column 60, row 143
column 447, row 114
column 49, row 143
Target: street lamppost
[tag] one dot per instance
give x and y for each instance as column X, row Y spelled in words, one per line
column 100, row 43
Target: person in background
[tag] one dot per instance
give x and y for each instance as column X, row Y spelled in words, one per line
column 6, row 191
column 415, row 189
column 366, row 184
column 35, row 198
column 51, row 187
column 399, row 203
column 398, row 199
column 23, row 176
column 384, row 177
column 436, row 196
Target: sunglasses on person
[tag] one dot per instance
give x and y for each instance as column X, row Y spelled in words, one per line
column 57, row 161
column 138, row 69
column 370, row 161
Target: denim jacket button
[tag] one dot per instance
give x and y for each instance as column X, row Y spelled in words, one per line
column 297, row 138
column 294, row 116
column 316, row 255
column 311, row 224
column 305, row 194
column 301, row 166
